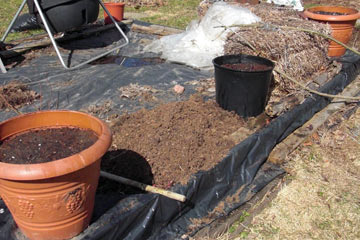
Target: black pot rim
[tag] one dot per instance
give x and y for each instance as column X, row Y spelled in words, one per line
column 266, row 61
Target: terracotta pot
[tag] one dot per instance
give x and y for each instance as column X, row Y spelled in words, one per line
column 53, row 200
column 116, row 10
column 341, row 25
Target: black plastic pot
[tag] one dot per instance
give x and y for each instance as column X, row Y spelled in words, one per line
column 63, row 15
column 244, row 92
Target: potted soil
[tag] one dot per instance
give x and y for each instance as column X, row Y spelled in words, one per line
column 341, row 20
column 251, row 2
column 242, row 83
column 49, row 171
column 116, row 9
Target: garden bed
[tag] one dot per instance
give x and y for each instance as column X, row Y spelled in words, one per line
column 237, row 173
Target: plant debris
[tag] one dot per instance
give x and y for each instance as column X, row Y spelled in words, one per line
column 148, row 3
column 205, row 86
column 134, row 90
column 15, row 95
column 299, row 54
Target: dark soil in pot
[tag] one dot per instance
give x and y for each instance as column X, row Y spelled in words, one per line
column 247, row 67
column 45, row 145
column 171, row 142
column 330, row 13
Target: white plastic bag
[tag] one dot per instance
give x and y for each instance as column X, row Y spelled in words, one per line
column 296, row 4
column 203, row 41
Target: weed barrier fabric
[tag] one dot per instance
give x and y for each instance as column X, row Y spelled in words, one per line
column 240, row 175
column 98, row 83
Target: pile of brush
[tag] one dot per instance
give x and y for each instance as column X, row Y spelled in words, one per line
column 297, row 53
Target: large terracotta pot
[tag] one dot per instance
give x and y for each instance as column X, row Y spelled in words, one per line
column 341, row 25
column 116, row 10
column 53, row 200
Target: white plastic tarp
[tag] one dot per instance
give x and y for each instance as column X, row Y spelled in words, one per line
column 203, row 40
column 296, row 4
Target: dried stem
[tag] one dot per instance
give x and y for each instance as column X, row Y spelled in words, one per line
column 10, row 106
column 312, row 32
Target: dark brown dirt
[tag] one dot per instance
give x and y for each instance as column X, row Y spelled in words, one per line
column 247, row 67
column 176, row 139
column 14, row 95
column 330, row 13
column 45, row 145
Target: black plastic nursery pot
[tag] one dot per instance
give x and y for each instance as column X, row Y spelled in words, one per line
column 63, row 15
column 242, row 83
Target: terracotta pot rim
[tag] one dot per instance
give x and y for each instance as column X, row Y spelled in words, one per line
column 56, row 168
column 353, row 14
column 114, row 4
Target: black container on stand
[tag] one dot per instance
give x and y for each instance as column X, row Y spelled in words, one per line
column 63, row 15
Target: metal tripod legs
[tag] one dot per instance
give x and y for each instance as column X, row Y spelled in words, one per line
column 42, row 16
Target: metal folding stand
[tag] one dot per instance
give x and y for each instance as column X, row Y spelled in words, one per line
column 47, row 28
column 2, row 67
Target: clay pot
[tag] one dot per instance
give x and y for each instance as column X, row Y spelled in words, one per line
column 341, row 25
column 53, row 200
column 116, row 10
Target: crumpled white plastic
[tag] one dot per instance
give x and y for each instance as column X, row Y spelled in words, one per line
column 296, row 4
column 203, row 41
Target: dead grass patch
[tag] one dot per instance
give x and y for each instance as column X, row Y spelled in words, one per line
column 322, row 201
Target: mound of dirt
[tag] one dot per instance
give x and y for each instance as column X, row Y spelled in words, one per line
column 177, row 139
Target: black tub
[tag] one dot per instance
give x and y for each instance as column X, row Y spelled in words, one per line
column 63, row 15
column 243, row 91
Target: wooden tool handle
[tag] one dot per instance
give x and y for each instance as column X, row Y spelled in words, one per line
column 144, row 187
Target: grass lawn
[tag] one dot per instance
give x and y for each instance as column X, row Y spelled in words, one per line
column 7, row 12
column 176, row 13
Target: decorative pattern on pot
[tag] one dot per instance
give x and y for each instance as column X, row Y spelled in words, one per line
column 342, row 21
column 74, row 200
column 26, row 208
column 53, row 200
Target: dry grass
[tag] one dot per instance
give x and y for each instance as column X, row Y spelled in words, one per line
column 322, row 200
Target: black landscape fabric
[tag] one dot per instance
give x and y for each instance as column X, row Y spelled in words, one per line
column 241, row 174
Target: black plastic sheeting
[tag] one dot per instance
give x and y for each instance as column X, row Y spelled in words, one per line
column 149, row 216
column 25, row 22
